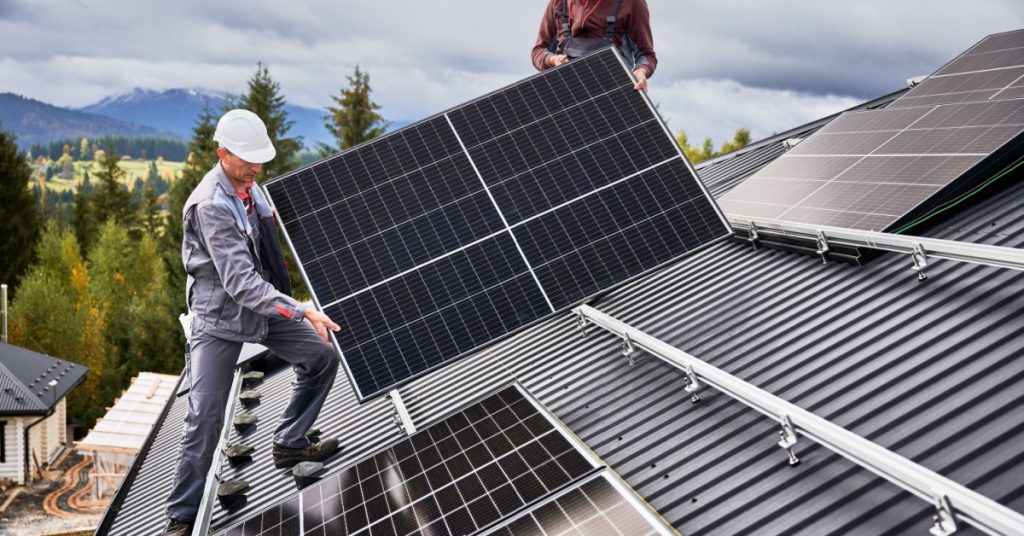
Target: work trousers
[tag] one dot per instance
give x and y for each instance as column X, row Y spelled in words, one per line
column 210, row 370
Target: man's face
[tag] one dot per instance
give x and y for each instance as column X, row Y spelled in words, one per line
column 238, row 170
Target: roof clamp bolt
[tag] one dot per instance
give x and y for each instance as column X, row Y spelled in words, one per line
column 943, row 522
column 692, row 384
column 628, row 350
column 398, row 420
column 753, row 234
column 823, row 248
column 920, row 258
column 581, row 324
column 788, row 438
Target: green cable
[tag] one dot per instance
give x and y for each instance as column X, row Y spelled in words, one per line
column 961, row 199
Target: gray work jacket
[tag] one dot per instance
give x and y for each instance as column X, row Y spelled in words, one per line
column 227, row 290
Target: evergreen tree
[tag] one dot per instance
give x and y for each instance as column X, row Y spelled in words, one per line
column 202, row 157
column 54, row 313
column 83, row 215
column 20, row 219
column 128, row 286
column 707, row 150
column 112, row 200
column 265, row 100
column 355, row 119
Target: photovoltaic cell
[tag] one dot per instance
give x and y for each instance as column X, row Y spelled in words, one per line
column 596, row 506
column 440, row 238
column 873, row 169
column 482, row 464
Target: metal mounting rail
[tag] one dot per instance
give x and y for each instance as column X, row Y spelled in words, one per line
column 953, row 502
column 919, row 247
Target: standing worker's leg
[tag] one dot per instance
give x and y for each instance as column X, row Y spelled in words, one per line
column 210, row 369
column 316, row 364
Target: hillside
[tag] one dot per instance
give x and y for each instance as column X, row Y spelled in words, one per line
column 176, row 110
column 37, row 122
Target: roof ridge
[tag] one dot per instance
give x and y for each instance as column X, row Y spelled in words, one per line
column 22, row 387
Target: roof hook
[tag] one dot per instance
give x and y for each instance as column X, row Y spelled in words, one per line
column 823, row 248
column 788, row 439
column 944, row 523
column 581, row 324
column 920, row 258
column 753, row 234
column 627, row 349
column 692, row 384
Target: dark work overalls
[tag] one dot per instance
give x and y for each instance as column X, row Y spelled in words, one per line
column 574, row 47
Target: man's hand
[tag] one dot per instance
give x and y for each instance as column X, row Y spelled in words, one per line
column 641, row 79
column 321, row 323
column 554, row 60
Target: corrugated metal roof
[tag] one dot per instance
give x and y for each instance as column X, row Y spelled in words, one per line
column 25, row 378
column 932, row 371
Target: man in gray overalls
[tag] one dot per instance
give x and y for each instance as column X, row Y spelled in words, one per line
column 238, row 291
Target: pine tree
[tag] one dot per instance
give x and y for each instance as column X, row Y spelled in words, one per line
column 202, row 157
column 54, row 313
column 20, row 220
column 83, row 217
column 112, row 200
column 265, row 100
column 355, row 119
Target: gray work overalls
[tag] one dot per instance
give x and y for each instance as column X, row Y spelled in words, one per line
column 232, row 301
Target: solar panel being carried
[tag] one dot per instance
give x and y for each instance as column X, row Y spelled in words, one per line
column 878, row 169
column 441, row 237
column 501, row 460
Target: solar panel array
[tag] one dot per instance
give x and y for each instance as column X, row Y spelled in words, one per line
column 478, row 469
column 872, row 169
column 441, row 237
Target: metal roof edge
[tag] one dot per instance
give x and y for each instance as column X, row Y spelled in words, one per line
column 40, row 408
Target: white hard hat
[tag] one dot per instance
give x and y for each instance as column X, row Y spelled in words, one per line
column 244, row 134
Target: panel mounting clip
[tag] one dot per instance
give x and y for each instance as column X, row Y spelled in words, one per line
column 788, row 439
column 692, row 384
column 627, row 349
column 823, row 248
column 943, row 522
column 920, row 258
column 753, row 234
column 401, row 414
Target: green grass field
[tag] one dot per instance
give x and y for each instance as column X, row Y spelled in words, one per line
column 134, row 169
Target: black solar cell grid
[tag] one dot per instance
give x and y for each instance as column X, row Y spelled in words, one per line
column 462, row 474
column 416, row 242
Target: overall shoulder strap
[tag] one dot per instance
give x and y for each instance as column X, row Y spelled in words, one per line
column 609, row 28
column 563, row 36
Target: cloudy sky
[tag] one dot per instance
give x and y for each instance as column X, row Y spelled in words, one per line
column 723, row 64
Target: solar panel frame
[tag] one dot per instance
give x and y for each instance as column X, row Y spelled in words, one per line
column 726, row 230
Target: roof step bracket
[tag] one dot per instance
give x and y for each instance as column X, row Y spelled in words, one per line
column 788, row 439
column 920, row 258
column 944, row 523
column 692, row 384
column 823, row 248
column 628, row 350
column 401, row 416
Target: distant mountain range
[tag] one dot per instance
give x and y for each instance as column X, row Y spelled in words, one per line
column 140, row 112
column 33, row 122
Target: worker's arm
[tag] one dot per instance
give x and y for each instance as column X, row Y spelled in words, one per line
column 544, row 49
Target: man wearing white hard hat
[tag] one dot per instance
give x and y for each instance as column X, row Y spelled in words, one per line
column 238, row 291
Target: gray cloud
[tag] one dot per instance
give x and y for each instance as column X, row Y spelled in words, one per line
column 776, row 61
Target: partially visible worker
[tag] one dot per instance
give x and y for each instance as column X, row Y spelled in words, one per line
column 572, row 28
column 238, row 291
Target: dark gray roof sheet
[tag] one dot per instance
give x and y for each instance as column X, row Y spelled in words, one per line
column 932, row 371
column 25, row 378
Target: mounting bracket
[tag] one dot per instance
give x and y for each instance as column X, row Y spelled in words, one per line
column 788, row 439
column 823, row 248
column 692, row 384
column 944, row 523
column 628, row 350
column 920, row 258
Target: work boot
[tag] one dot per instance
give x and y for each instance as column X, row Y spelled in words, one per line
column 315, row 452
column 176, row 528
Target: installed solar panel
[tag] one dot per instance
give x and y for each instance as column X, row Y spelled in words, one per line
column 876, row 169
column 448, row 234
column 991, row 70
column 597, row 506
column 485, row 462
